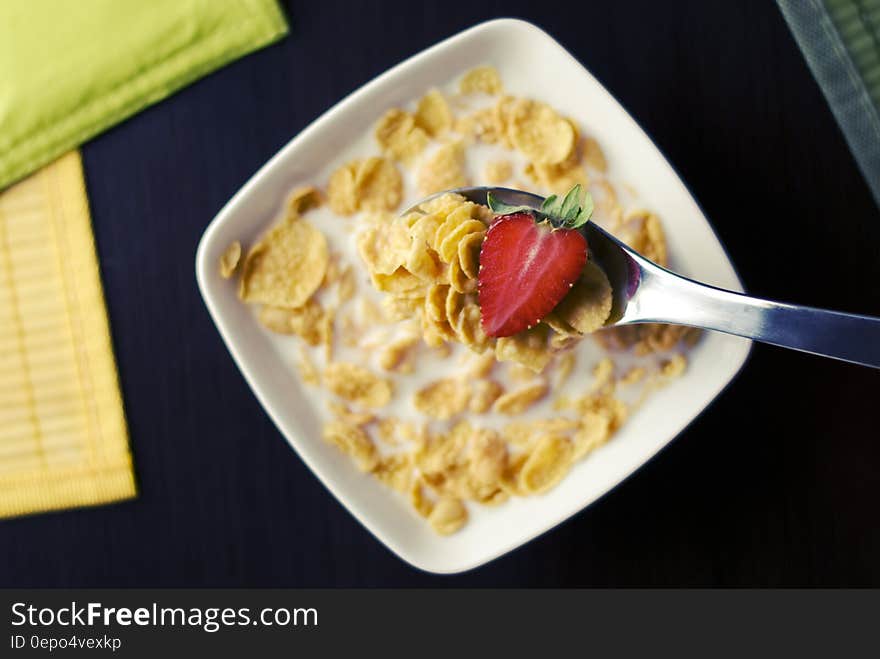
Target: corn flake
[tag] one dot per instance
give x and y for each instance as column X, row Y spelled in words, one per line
column 586, row 307
column 488, row 458
column 443, row 170
column 448, row 247
column 357, row 385
column 435, row 302
column 453, row 219
column 540, row 133
column 354, row 441
column 481, row 366
column 528, row 348
column 483, row 394
column 519, row 400
column 341, row 190
column 423, row 262
column 503, row 113
column 346, row 285
column 547, row 464
column 448, row 516
column 469, row 328
column 349, row 416
column 442, row 399
column 384, row 245
column 229, row 259
column 401, row 282
column 372, row 184
column 286, row 266
column 433, row 114
column 459, row 280
column 440, row 454
column 398, row 135
column 453, row 307
column 510, row 483
column 593, row 431
column 482, row 125
column 378, row 185
column 424, row 230
column 559, row 177
column 303, row 199
column 422, row 505
column 395, row 471
column 520, row 373
column 443, row 204
column 649, row 240
column 482, row 79
column 396, row 355
column 435, row 333
column 469, row 253
column 310, row 322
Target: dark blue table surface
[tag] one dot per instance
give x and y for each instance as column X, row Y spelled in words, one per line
column 776, row 484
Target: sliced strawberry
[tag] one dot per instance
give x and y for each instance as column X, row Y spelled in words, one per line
column 526, row 268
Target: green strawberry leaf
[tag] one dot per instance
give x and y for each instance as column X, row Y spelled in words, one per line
column 569, row 212
column 571, row 204
column 575, row 212
column 587, row 208
column 549, row 205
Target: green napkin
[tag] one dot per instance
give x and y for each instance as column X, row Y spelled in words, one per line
column 840, row 40
column 71, row 68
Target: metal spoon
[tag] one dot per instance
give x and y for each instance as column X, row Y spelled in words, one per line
column 644, row 292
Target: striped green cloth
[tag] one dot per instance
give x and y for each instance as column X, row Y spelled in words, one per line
column 840, row 40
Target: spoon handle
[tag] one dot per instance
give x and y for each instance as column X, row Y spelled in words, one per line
column 668, row 298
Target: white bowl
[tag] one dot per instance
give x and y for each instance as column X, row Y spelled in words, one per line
column 538, row 66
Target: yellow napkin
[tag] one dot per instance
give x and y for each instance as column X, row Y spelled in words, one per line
column 63, row 440
column 67, row 72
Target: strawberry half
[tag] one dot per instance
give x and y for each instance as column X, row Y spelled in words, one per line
column 529, row 261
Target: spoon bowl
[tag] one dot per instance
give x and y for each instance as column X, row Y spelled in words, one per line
column 645, row 292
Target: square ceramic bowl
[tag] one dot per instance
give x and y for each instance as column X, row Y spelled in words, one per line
column 534, row 68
